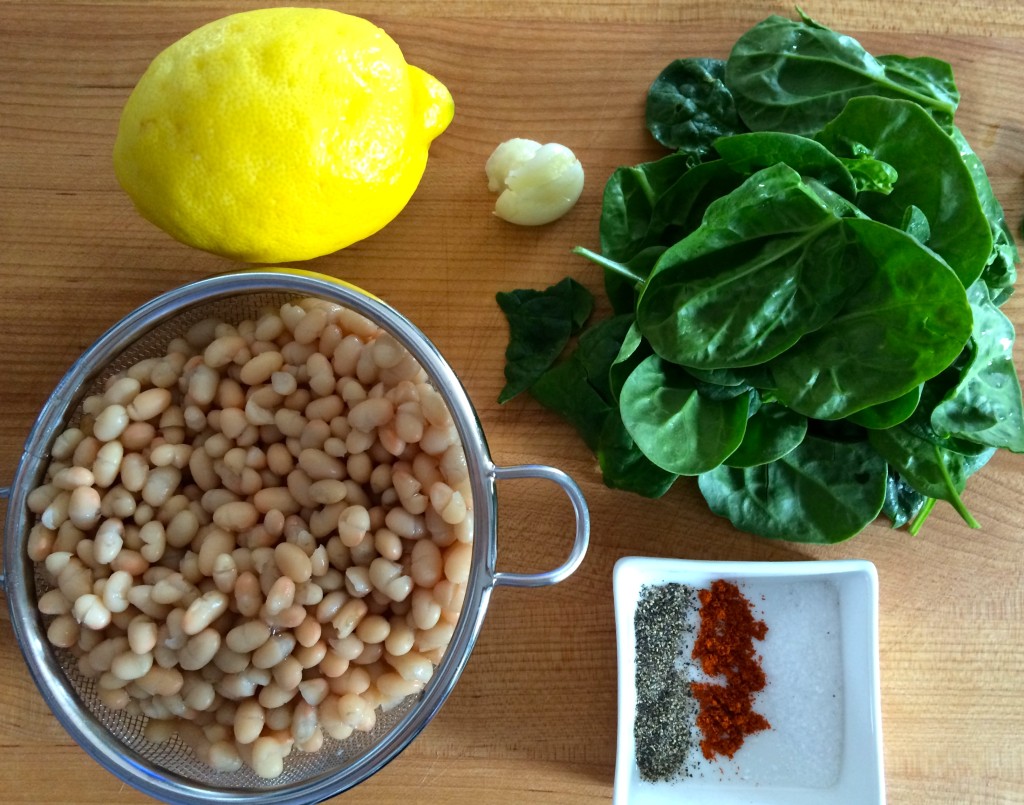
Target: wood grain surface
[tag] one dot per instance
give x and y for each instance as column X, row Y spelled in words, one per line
column 533, row 718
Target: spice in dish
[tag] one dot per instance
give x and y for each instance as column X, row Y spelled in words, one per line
column 725, row 647
column 666, row 710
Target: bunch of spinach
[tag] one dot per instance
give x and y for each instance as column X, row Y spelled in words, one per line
column 805, row 292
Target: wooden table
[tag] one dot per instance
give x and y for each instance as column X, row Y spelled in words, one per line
column 532, row 719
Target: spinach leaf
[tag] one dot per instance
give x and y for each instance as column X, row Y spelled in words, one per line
column 721, row 377
column 622, row 281
column 646, row 208
column 656, row 203
column 906, row 324
column 675, row 426
column 890, row 413
column 632, row 352
column 931, row 469
column 869, row 174
column 766, row 266
column 903, row 503
column 685, row 203
column 688, row 107
column 598, row 349
column 932, row 177
column 624, row 466
column 748, row 153
column 566, row 390
column 1000, row 272
column 632, row 218
column 796, row 76
column 713, row 390
column 985, row 406
column 821, row 491
column 915, row 223
column 540, row 325
column 772, row 431
column 578, row 390
column 933, row 77
column 933, row 393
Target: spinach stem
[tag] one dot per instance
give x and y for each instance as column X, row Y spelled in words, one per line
column 957, row 504
column 611, row 265
column 918, row 522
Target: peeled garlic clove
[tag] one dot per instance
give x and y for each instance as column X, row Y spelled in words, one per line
column 506, row 156
column 538, row 183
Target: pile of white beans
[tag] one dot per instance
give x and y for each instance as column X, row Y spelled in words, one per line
column 261, row 538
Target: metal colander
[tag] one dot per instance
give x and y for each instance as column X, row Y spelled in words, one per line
column 169, row 770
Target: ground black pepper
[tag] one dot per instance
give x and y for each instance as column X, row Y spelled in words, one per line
column 666, row 709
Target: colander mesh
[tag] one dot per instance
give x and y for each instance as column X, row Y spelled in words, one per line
column 174, row 755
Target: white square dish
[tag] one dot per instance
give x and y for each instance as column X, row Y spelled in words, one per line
column 822, row 698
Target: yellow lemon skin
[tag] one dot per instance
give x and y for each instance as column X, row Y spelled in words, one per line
column 278, row 134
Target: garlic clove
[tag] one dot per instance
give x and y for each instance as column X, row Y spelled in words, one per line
column 538, row 183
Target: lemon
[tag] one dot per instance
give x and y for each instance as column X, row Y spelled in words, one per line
column 278, row 134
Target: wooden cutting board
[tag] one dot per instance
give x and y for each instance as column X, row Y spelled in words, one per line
column 533, row 718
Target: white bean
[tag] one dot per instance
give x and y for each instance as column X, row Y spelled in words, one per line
column 65, row 443
column 84, row 507
column 260, row 368
column 154, row 540
column 426, row 612
column 74, row 579
column 437, row 636
column 353, row 710
column 353, row 524
column 109, row 540
column 327, row 491
column 387, row 577
column 130, row 666
column 236, row 515
column 134, row 471
column 273, row 651
column 249, row 720
column 182, row 528
column 90, row 611
column 370, row 414
column 357, row 582
column 293, row 562
column 457, row 562
column 53, row 602
column 116, row 591
column 149, row 404
column 405, row 524
column 204, row 611
column 199, row 650
column 107, row 464
column 71, row 477
column 373, row 629
column 214, row 541
column 199, row 694
column 110, row 423
column 223, row 350
column 225, row 572
column 142, row 634
column 267, row 758
column 394, row 686
column 400, row 639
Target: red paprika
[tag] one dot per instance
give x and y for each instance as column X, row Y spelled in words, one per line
column 725, row 647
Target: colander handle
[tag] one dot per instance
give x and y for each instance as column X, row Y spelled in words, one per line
column 580, row 541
